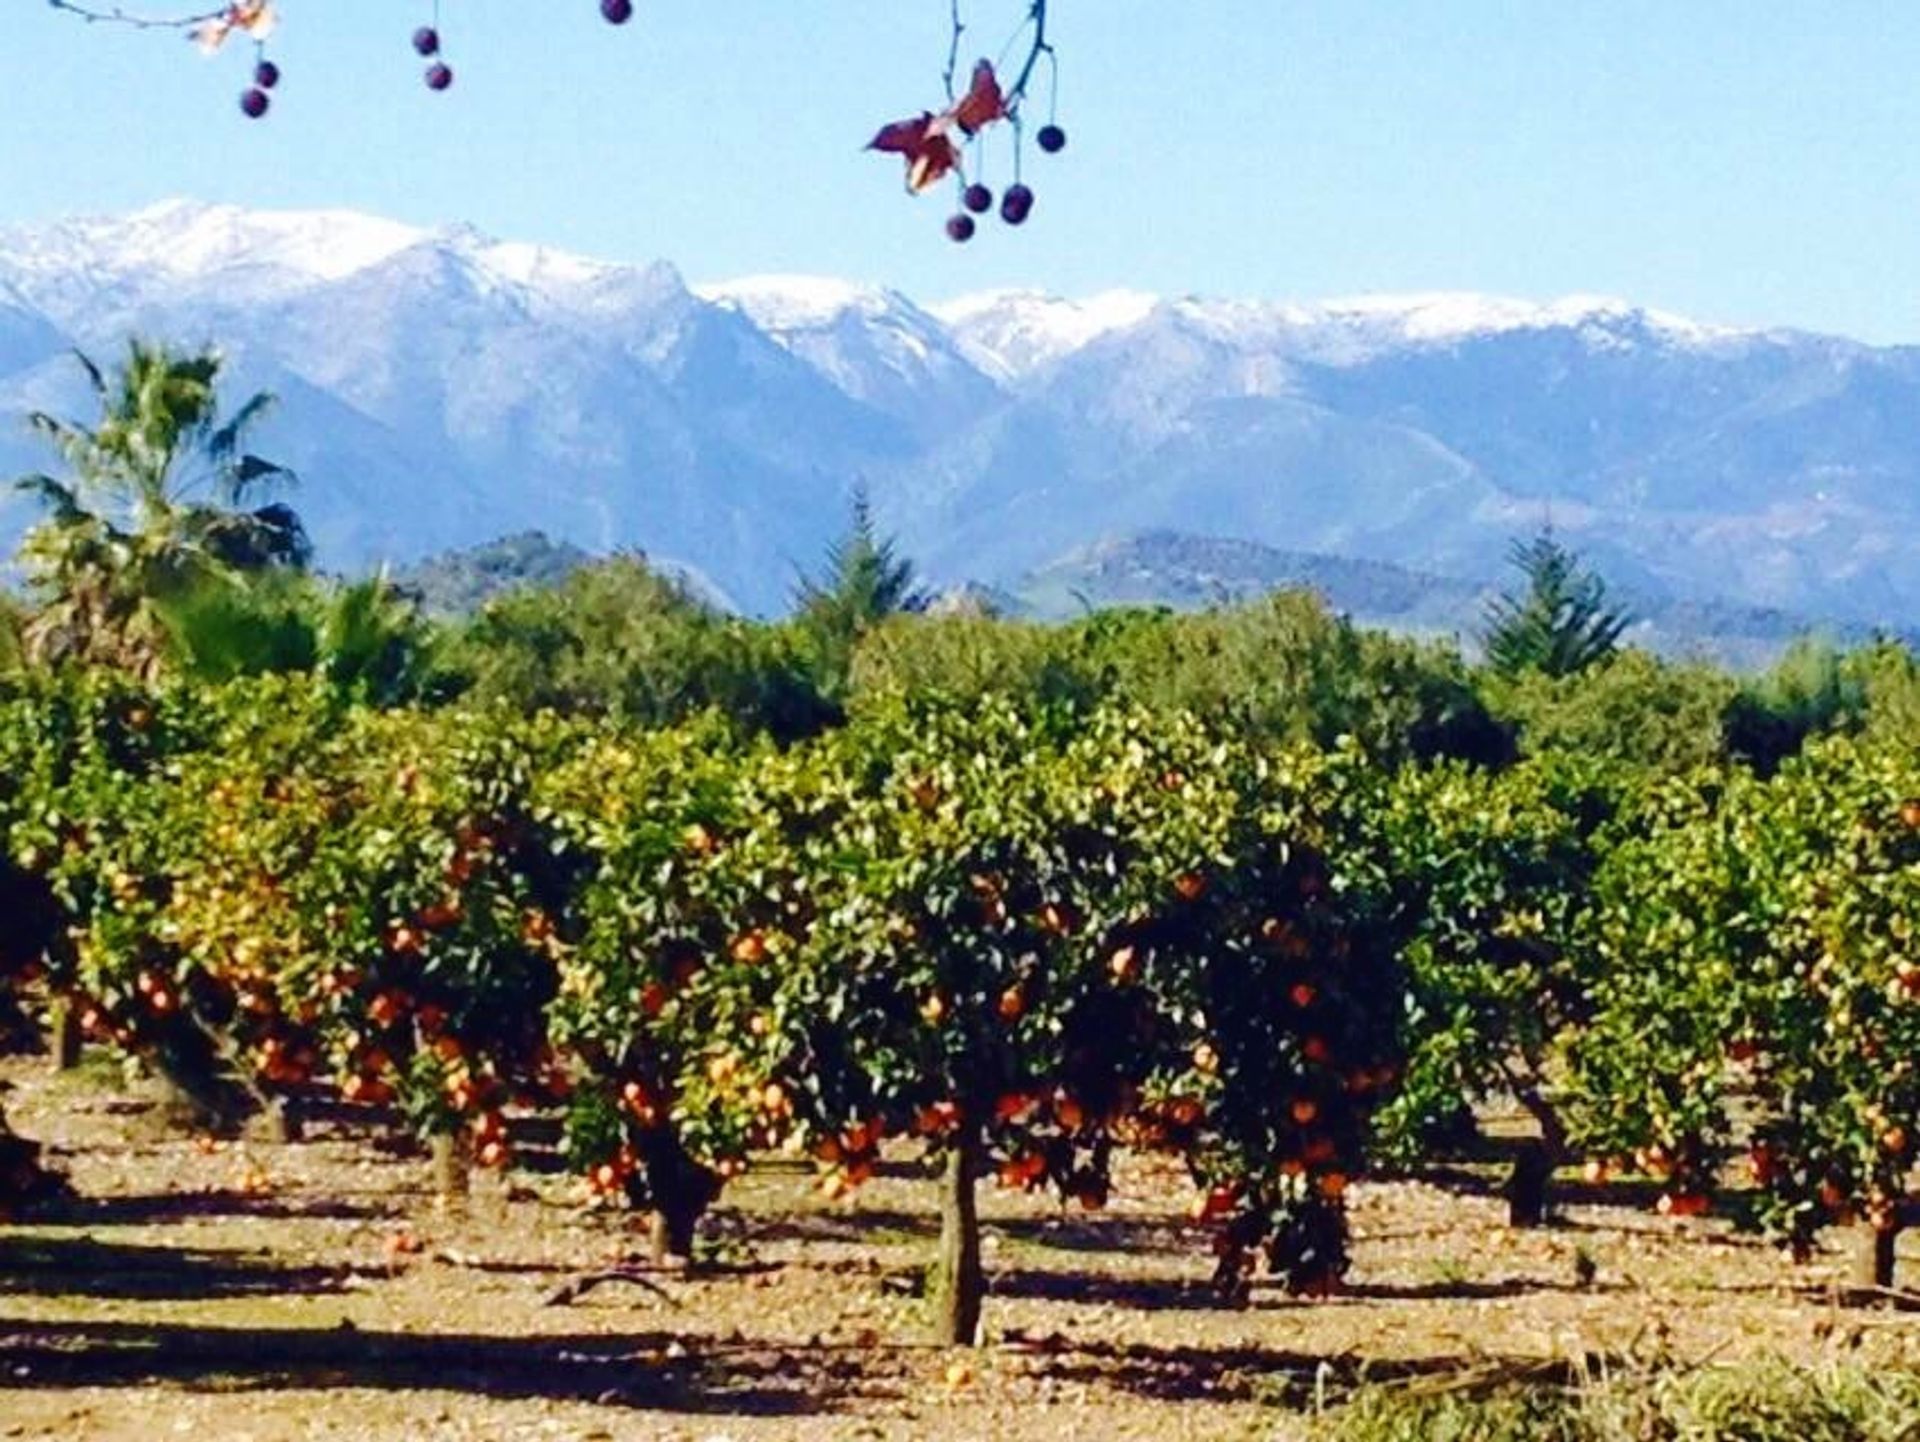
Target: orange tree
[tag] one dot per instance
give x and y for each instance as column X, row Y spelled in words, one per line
column 679, row 897
column 1489, row 874
column 319, row 893
column 1772, row 932
column 367, row 894
column 1032, row 941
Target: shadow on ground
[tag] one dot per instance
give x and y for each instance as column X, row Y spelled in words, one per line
column 647, row 1370
column 82, row 1267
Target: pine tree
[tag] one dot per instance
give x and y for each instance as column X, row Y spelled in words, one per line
column 865, row 580
column 1560, row 623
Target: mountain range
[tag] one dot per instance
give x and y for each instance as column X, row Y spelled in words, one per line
column 439, row 388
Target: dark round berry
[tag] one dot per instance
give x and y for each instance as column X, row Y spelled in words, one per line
column 254, row 102
column 266, row 75
column 978, row 199
column 1016, row 205
column 960, row 228
column 426, row 40
column 439, row 76
column 1052, row 139
column 616, row 12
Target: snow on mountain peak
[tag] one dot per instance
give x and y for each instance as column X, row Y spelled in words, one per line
column 802, row 302
column 1016, row 331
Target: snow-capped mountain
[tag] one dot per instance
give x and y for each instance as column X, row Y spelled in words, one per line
column 440, row 388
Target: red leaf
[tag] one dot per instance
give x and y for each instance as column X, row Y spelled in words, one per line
column 983, row 103
column 903, row 137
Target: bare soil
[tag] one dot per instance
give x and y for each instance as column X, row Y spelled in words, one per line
column 319, row 1290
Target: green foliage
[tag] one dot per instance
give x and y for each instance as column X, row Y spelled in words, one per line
column 1282, row 669
column 1814, row 689
column 1630, row 707
column 1560, row 622
column 618, row 640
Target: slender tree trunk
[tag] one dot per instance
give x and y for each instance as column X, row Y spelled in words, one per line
column 1530, row 1185
column 65, row 1021
column 680, row 1189
column 959, row 1281
column 1873, row 1259
column 451, row 1178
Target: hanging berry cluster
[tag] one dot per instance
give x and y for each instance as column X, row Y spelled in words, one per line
column 936, row 145
column 256, row 20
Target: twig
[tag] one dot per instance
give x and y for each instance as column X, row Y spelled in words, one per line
column 1041, row 46
column 953, row 50
column 580, row 1286
column 115, row 15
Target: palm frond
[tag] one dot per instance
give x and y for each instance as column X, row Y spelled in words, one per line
column 60, row 500
column 225, row 440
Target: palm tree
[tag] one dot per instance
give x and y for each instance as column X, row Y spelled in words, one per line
column 159, row 499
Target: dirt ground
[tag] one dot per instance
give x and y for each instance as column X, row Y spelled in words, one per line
column 318, row 1291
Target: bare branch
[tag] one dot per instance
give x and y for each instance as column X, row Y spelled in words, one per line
column 115, row 15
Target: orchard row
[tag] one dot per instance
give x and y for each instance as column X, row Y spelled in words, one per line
column 1025, row 943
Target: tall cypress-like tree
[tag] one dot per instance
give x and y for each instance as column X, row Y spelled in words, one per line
column 1559, row 622
column 865, row 580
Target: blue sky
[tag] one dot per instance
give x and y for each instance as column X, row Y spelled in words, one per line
column 1740, row 162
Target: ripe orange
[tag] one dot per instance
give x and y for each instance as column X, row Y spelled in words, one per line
column 934, row 1009
column 1302, row 994
column 1305, row 1110
column 1315, row 1050
column 1125, row 964
column 1190, row 886
column 750, row 948
column 1012, row 1005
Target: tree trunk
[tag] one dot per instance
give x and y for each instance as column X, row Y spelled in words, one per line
column 450, row 1175
column 681, row 1189
column 959, row 1281
column 1529, row 1185
column 65, row 1021
column 1873, row 1260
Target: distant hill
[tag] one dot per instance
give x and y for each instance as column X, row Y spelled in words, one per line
column 457, row 583
column 1167, row 568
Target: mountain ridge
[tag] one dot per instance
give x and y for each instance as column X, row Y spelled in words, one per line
column 442, row 388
